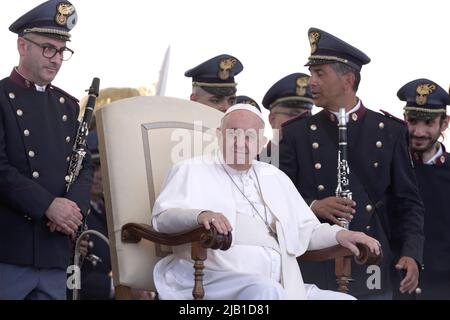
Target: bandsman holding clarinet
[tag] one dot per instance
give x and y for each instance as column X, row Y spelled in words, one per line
column 385, row 202
column 38, row 127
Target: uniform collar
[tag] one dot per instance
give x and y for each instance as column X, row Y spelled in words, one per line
column 352, row 116
column 20, row 80
column 440, row 157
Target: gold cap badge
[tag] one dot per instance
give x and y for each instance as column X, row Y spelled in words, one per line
column 225, row 66
column 423, row 91
column 301, row 86
column 314, row 40
column 64, row 11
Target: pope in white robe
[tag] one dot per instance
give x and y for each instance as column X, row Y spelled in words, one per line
column 255, row 201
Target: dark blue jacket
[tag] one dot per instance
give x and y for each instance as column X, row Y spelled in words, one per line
column 381, row 178
column 37, row 132
column 434, row 186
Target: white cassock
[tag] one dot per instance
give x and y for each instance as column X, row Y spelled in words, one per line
column 256, row 266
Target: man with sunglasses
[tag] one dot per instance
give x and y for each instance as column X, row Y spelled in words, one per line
column 38, row 125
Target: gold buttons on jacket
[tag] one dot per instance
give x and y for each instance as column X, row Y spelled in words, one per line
column 313, row 127
column 67, row 178
column 19, row 112
column 12, row 95
column 379, row 144
column 369, row 208
column 68, row 159
column 67, row 139
column 26, row 132
column 321, row 188
column 318, row 166
column 381, row 125
column 31, row 154
column 62, row 100
column 64, row 118
column 376, row 165
column 315, row 145
column 368, row 228
column 35, row 174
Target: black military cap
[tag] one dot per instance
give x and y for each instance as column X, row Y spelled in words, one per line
column 292, row 90
column 247, row 100
column 326, row 48
column 53, row 18
column 424, row 99
column 216, row 75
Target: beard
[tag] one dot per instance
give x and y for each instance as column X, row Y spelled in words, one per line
column 422, row 144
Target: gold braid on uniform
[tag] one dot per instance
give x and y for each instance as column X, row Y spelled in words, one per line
column 308, row 100
column 49, row 31
column 330, row 58
column 424, row 110
column 214, row 85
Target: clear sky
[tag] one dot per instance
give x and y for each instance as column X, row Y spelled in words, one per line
column 123, row 43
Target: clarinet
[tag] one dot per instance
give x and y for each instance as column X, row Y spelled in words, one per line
column 343, row 264
column 80, row 147
column 343, row 171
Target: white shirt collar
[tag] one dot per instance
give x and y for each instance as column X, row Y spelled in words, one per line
column 40, row 88
column 355, row 108
column 433, row 159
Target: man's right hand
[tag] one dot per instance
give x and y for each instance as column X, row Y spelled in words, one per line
column 332, row 208
column 65, row 214
column 218, row 220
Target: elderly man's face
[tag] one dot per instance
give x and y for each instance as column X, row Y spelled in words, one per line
column 241, row 137
column 33, row 64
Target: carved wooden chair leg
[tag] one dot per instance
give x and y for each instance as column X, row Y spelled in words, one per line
column 198, row 254
column 343, row 273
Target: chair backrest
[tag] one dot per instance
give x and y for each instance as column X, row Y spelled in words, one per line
column 140, row 138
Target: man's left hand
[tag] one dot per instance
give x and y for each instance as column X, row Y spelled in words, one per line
column 411, row 280
column 350, row 239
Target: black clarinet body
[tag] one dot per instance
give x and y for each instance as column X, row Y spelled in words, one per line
column 342, row 189
column 80, row 146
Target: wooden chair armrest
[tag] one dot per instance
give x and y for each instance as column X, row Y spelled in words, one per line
column 134, row 232
column 338, row 251
column 199, row 238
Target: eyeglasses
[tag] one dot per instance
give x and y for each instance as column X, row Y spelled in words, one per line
column 49, row 51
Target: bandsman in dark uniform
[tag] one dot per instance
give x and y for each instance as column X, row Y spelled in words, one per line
column 38, row 125
column 213, row 81
column 426, row 116
column 289, row 98
column 385, row 192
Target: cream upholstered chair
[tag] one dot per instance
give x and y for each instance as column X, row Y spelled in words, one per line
column 140, row 138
